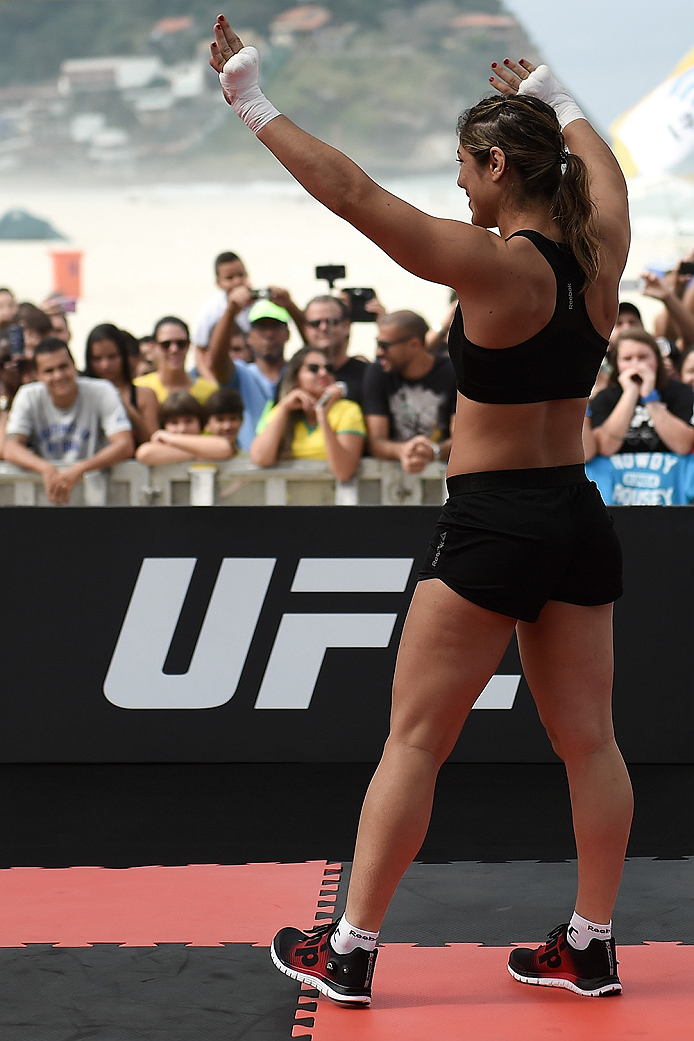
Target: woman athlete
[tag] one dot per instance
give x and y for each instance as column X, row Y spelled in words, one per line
column 524, row 541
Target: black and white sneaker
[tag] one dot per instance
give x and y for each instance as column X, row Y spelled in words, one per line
column 309, row 957
column 592, row 972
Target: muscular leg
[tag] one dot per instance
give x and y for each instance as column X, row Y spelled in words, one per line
column 568, row 663
column 449, row 650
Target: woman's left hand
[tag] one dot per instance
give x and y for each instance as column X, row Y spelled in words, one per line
column 331, row 394
column 647, row 379
column 225, row 45
column 507, row 78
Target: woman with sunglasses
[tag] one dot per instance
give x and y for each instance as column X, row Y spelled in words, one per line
column 524, row 542
column 312, row 419
column 169, row 350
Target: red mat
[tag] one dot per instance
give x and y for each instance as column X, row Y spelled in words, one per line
column 464, row 991
column 204, row 906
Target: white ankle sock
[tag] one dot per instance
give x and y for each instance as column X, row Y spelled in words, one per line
column 346, row 937
column 580, row 932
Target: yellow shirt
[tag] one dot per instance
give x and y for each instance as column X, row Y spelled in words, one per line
column 201, row 388
column 345, row 417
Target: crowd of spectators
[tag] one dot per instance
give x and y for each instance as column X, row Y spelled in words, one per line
column 236, row 392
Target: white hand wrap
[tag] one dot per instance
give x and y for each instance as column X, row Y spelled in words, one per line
column 542, row 84
column 239, row 80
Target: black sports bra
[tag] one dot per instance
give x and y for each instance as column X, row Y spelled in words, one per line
column 561, row 361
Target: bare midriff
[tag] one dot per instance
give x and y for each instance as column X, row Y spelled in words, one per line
column 516, row 437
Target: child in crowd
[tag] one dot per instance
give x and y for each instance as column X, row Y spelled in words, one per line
column 193, row 431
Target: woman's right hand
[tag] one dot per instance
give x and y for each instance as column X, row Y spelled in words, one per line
column 238, row 76
column 635, row 379
column 297, row 400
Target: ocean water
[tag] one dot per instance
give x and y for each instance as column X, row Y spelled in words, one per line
column 148, row 250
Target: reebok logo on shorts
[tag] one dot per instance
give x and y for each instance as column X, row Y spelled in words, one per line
column 438, row 550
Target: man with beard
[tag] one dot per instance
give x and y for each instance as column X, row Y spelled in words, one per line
column 256, row 381
column 409, row 395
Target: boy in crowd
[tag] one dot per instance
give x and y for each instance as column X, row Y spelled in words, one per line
column 230, row 272
column 193, row 431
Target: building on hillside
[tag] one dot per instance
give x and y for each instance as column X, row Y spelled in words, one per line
column 298, row 21
column 170, row 27
column 83, row 75
column 492, row 24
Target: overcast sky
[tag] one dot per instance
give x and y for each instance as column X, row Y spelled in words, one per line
column 609, row 52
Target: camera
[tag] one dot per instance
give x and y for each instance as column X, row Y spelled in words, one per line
column 686, row 268
column 357, row 299
column 261, row 294
column 331, row 272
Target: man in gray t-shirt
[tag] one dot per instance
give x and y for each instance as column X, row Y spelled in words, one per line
column 66, row 420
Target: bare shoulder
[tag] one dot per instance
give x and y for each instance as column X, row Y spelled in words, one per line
column 510, row 267
column 145, row 396
column 487, row 261
column 511, row 295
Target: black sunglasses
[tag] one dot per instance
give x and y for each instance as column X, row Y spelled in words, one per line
column 385, row 344
column 166, row 345
column 330, row 322
column 314, row 367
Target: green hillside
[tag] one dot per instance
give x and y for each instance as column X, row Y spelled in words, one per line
column 385, row 81
column 85, row 28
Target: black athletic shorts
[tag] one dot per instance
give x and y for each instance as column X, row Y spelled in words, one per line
column 510, row 540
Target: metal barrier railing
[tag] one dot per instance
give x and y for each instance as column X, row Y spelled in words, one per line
column 235, row 483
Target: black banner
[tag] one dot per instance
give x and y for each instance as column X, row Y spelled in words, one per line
column 186, row 634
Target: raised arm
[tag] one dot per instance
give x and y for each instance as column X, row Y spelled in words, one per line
column 220, row 361
column 608, row 188
column 443, row 251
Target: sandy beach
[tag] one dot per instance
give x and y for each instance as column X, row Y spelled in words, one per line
column 148, row 250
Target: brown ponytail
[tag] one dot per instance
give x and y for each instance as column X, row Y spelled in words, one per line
column 574, row 211
column 528, row 132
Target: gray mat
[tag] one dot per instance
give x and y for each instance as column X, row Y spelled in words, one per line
column 165, row 993
column 499, row 904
